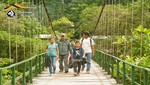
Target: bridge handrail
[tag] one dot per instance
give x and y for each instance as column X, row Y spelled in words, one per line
column 21, row 62
column 37, row 68
column 147, row 69
column 112, row 63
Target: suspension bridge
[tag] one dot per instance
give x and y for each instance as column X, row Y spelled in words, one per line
column 122, row 37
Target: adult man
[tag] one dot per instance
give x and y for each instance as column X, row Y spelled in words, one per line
column 88, row 46
column 64, row 50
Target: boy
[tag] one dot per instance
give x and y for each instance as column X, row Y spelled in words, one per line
column 77, row 58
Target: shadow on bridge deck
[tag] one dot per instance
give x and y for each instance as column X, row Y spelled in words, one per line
column 97, row 76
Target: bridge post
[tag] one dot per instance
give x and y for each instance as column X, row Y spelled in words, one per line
column 30, row 71
column 112, row 67
column 43, row 64
column 40, row 69
column 109, row 59
column 132, row 74
column 24, row 76
column 118, row 71
column 124, row 74
column 36, row 66
column 145, row 77
column 13, row 76
column 0, row 76
column 103, row 61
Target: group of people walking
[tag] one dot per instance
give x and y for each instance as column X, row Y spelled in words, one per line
column 77, row 52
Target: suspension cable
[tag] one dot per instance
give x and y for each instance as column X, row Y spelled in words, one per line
column 141, row 37
column 118, row 27
column 100, row 14
column 125, row 31
column 49, row 18
column 9, row 40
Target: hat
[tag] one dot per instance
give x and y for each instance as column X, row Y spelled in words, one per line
column 62, row 35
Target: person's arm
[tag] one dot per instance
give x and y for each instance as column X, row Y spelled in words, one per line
column 70, row 49
column 93, row 50
column 57, row 49
column 83, row 53
column 92, row 47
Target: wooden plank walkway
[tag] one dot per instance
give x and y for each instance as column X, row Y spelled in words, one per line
column 97, row 76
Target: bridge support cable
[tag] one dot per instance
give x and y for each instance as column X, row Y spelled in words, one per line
column 100, row 14
column 49, row 18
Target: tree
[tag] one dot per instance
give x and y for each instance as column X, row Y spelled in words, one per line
column 63, row 24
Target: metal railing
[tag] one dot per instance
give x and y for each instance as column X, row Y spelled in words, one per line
column 30, row 68
column 123, row 71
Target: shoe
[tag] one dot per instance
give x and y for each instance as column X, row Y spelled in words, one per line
column 75, row 74
column 50, row 75
column 78, row 74
column 66, row 71
column 82, row 69
column 60, row 71
column 88, row 72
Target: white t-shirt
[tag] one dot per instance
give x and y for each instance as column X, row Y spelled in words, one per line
column 86, row 45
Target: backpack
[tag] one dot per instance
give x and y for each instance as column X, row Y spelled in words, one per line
column 90, row 42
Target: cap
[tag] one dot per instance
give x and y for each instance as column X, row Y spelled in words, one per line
column 62, row 35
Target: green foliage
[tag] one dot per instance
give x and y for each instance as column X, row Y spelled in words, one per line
column 21, row 48
column 5, row 62
column 62, row 24
column 139, row 45
column 89, row 17
column 139, row 41
column 21, row 25
column 7, row 75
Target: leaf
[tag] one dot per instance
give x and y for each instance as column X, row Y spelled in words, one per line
column 140, row 28
column 147, row 31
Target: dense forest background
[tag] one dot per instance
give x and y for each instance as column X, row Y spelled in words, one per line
column 119, row 18
column 123, row 29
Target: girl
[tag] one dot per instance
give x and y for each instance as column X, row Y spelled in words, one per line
column 53, row 53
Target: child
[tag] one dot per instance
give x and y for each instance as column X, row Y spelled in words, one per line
column 53, row 53
column 77, row 58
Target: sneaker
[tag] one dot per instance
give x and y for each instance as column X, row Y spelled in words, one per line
column 60, row 71
column 78, row 74
column 66, row 71
column 75, row 74
column 50, row 75
column 88, row 72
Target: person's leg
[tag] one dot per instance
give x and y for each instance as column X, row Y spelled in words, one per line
column 66, row 64
column 61, row 58
column 50, row 66
column 75, row 68
column 83, row 63
column 79, row 67
column 88, row 55
column 54, row 64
